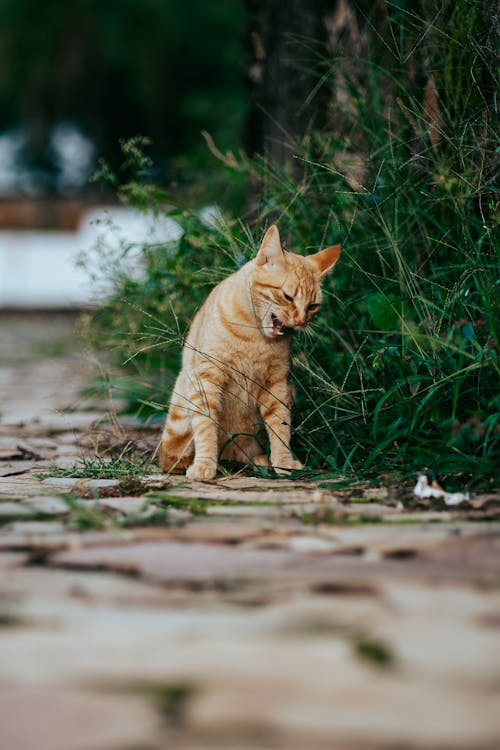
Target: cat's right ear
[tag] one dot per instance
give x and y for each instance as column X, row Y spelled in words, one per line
column 271, row 254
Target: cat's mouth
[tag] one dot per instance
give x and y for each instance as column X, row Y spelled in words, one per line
column 277, row 326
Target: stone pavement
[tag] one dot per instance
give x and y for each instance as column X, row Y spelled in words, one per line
column 240, row 614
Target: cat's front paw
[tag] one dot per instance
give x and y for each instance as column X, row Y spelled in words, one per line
column 285, row 465
column 200, row 470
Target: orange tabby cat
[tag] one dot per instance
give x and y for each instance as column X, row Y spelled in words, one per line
column 236, row 362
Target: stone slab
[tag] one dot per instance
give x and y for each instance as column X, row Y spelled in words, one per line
column 76, row 720
column 220, row 532
column 247, row 511
column 18, row 487
column 125, row 505
column 54, row 506
column 227, row 493
column 13, row 468
column 8, row 509
column 33, row 529
column 213, row 564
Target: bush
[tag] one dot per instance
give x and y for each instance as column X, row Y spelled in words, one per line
column 400, row 373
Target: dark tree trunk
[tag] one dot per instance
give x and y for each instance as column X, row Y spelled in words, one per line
column 287, row 46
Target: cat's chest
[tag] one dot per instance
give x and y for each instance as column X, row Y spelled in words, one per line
column 257, row 365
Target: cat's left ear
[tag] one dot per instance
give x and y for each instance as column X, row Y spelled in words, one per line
column 271, row 254
column 325, row 260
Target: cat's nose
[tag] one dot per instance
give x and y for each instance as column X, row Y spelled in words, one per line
column 299, row 320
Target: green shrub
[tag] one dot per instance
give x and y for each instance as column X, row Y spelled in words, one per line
column 400, row 373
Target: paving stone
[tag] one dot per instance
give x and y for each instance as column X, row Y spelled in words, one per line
column 40, row 592
column 67, row 438
column 377, row 493
column 309, row 544
column 227, row 492
column 17, row 448
column 475, row 550
column 157, row 481
column 40, row 443
column 8, row 509
column 276, row 539
column 346, row 709
column 100, row 484
column 211, row 564
column 311, row 686
column 262, row 678
column 370, row 509
column 12, row 468
column 229, row 532
column 35, row 528
column 62, row 483
column 127, row 421
column 76, row 720
column 44, row 537
column 424, row 517
column 9, row 450
column 20, row 486
column 480, row 500
column 195, row 562
column 51, row 422
column 257, row 483
column 125, row 505
column 179, row 516
column 471, row 657
column 47, row 504
column 8, row 561
column 82, row 485
column 379, row 540
column 240, row 510
column 66, row 457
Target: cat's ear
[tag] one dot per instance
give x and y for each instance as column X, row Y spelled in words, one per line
column 271, row 253
column 325, row 260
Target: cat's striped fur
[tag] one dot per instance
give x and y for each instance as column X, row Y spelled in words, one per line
column 235, row 365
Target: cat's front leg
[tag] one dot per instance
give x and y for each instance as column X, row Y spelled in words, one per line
column 274, row 404
column 205, row 402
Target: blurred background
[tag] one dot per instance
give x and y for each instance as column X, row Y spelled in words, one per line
column 75, row 79
column 198, row 80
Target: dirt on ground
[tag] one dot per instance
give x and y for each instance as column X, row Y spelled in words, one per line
column 141, row 611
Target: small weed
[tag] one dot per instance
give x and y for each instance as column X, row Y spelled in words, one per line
column 98, row 467
column 198, row 506
column 331, row 516
column 127, row 470
column 158, row 517
column 173, row 699
column 10, row 619
column 322, row 515
column 373, row 651
column 14, row 517
column 192, row 504
column 85, row 516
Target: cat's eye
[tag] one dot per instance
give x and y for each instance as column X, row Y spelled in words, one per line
column 313, row 307
column 287, row 297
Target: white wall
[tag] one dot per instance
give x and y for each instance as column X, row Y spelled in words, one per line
column 38, row 268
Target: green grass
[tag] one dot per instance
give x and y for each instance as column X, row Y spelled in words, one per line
column 400, row 373
column 85, row 517
column 129, row 471
column 173, row 700
column 337, row 517
column 374, row 652
column 192, row 504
